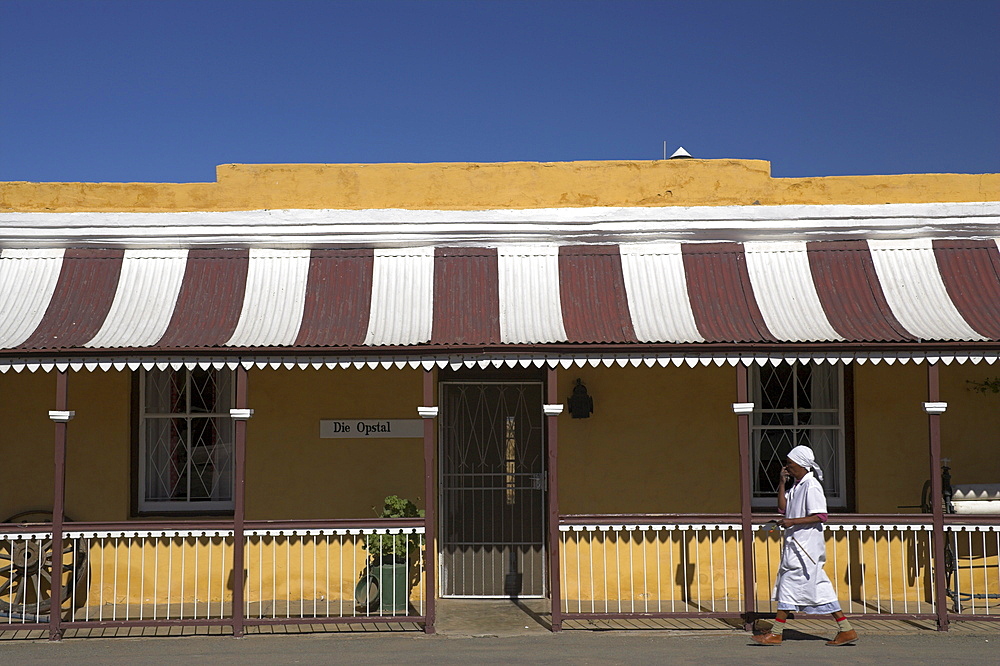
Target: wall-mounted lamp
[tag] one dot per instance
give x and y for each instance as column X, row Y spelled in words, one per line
column 581, row 405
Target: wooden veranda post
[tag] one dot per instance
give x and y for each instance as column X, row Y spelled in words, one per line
column 934, row 408
column 240, row 414
column 743, row 409
column 552, row 409
column 428, row 412
column 61, row 416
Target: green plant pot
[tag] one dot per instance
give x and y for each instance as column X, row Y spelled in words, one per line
column 384, row 589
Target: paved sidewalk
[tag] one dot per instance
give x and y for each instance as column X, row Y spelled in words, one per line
column 576, row 647
column 499, row 632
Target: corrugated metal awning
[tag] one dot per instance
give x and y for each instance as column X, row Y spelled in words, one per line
column 211, row 301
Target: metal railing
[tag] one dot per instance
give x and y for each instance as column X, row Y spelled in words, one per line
column 159, row 576
column 614, row 567
column 25, row 575
column 166, row 574
column 877, row 569
column 972, row 566
column 308, row 573
column 881, row 566
column 177, row 574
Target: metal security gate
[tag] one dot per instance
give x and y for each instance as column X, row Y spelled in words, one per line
column 493, row 485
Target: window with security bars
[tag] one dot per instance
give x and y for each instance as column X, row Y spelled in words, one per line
column 798, row 403
column 185, row 440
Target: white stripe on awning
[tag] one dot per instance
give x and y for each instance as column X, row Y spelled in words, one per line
column 274, row 300
column 911, row 281
column 402, row 305
column 656, row 286
column 28, row 279
column 785, row 292
column 148, row 286
column 530, row 303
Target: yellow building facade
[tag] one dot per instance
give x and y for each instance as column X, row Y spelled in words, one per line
column 642, row 507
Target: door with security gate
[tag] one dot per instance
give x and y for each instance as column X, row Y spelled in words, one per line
column 492, row 489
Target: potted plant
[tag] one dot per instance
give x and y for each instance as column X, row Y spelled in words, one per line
column 384, row 588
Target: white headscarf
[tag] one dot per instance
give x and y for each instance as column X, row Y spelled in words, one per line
column 803, row 455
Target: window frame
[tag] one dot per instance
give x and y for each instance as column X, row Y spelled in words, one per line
column 844, row 501
column 140, row 506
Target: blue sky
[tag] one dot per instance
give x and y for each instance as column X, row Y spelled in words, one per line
column 153, row 91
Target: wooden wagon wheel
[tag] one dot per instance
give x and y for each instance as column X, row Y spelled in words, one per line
column 26, row 567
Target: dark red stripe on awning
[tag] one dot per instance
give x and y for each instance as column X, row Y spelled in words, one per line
column 466, row 296
column 210, row 300
column 81, row 301
column 850, row 292
column 971, row 274
column 722, row 298
column 592, row 291
column 338, row 298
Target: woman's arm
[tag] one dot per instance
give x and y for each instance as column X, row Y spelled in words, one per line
column 808, row 520
column 782, row 478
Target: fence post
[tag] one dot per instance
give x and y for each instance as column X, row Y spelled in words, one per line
column 934, row 408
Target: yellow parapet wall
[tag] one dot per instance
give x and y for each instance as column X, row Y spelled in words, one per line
column 478, row 186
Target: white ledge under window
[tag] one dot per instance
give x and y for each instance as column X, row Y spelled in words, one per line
column 553, row 410
column 743, row 408
column 240, row 414
column 935, row 407
column 61, row 416
column 427, row 412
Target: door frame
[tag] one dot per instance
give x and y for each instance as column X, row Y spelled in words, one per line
column 494, row 378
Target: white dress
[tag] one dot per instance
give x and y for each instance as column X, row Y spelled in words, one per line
column 802, row 585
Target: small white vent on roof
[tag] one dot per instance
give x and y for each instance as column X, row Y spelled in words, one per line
column 680, row 154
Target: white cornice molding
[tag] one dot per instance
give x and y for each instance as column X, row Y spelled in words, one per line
column 403, row 228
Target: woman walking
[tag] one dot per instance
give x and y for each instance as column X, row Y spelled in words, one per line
column 802, row 586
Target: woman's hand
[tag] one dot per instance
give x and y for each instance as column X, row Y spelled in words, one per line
column 786, row 522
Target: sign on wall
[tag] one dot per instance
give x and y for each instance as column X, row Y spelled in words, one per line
column 370, row 428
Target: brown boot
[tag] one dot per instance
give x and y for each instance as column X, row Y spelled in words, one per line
column 767, row 639
column 844, row 638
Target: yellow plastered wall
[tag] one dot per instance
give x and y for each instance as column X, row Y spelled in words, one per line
column 970, row 429
column 475, row 186
column 97, row 451
column 892, row 445
column 660, row 440
column 26, row 440
column 891, row 451
column 292, row 473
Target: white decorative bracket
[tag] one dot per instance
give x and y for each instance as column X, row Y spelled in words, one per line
column 240, row 414
column 427, row 412
column 935, row 407
column 743, row 408
column 553, row 410
column 61, row 416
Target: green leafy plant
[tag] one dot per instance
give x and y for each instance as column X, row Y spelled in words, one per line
column 988, row 385
column 386, row 547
